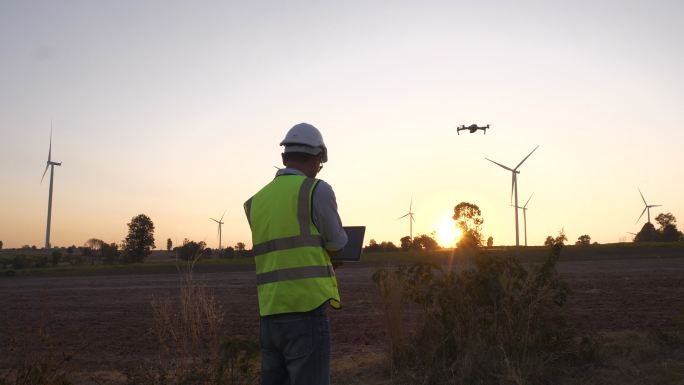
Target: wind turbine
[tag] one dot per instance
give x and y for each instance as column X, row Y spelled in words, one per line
column 220, row 222
column 51, row 165
column 524, row 209
column 647, row 208
column 411, row 219
column 514, row 188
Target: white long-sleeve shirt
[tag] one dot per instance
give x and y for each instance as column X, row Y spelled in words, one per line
column 325, row 215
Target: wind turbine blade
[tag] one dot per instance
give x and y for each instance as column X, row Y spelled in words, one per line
column 528, row 201
column 642, row 214
column 528, row 155
column 642, row 196
column 411, row 204
column 224, row 213
column 499, row 164
column 43, row 177
column 50, row 148
column 512, row 186
column 413, row 219
column 403, row 216
column 214, row 220
column 654, row 206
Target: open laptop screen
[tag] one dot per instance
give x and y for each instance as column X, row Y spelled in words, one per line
column 352, row 250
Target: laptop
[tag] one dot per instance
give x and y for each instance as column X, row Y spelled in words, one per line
column 352, row 250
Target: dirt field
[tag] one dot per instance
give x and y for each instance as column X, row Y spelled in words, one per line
column 106, row 319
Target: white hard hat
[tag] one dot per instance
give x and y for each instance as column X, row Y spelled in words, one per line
column 306, row 138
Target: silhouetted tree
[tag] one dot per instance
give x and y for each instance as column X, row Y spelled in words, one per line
column 207, row 253
column 109, row 253
column 668, row 231
column 468, row 218
column 1, row 244
column 374, row 246
column 405, row 243
column 190, row 250
column 140, row 239
column 666, row 219
column 648, row 233
column 490, row 242
column 169, row 244
column 425, row 242
column 583, row 240
column 228, row 252
column 93, row 245
column 557, row 241
column 240, row 250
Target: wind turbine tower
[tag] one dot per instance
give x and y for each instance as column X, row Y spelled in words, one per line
column 514, row 189
column 51, row 165
column 524, row 209
column 220, row 222
column 411, row 219
column 646, row 209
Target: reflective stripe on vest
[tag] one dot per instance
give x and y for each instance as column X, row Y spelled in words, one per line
column 295, row 273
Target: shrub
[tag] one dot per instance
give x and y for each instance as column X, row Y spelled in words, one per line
column 494, row 323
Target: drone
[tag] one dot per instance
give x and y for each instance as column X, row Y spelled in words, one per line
column 472, row 128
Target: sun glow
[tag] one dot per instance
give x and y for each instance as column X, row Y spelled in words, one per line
column 447, row 232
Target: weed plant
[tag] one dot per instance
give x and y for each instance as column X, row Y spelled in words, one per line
column 193, row 349
column 494, row 322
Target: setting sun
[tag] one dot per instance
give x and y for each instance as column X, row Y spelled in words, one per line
column 447, row 232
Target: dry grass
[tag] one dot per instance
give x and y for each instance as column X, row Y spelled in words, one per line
column 496, row 323
column 193, row 346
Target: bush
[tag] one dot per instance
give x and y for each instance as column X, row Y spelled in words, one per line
column 491, row 324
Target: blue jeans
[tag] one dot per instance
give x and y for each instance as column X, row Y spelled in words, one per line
column 295, row 348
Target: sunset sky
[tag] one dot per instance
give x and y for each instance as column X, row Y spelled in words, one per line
column 175, row 109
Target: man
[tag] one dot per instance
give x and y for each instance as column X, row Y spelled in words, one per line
column 295, row 229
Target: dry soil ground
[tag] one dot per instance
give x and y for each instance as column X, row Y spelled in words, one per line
column 106, row 319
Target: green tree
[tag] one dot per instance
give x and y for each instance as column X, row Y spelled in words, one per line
column 109, row 253
column 169, row 244
column 405, row 243
column 468, row 218
column 583, row 240
column 557, row 241
column 425, row 242
column 666, row 219
column 648, row 233
column 94, row 246
column 668, row 231
column 140, row 239
column 190, row 250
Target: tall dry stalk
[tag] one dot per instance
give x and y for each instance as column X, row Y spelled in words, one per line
column 188, row 327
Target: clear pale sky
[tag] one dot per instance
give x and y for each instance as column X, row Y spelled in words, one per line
column 175, row 109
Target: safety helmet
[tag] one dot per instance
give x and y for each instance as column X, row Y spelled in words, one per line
column 306, row 138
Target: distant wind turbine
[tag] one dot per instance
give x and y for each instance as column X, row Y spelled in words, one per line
column 524, row 209
column 51, row 165
column 411, row 219
column 646, row 209
column 514, row 188
column 220, row 222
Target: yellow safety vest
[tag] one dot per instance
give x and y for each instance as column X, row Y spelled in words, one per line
column 294, row 273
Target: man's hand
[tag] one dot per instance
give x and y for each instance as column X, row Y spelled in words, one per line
column 334, row 253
